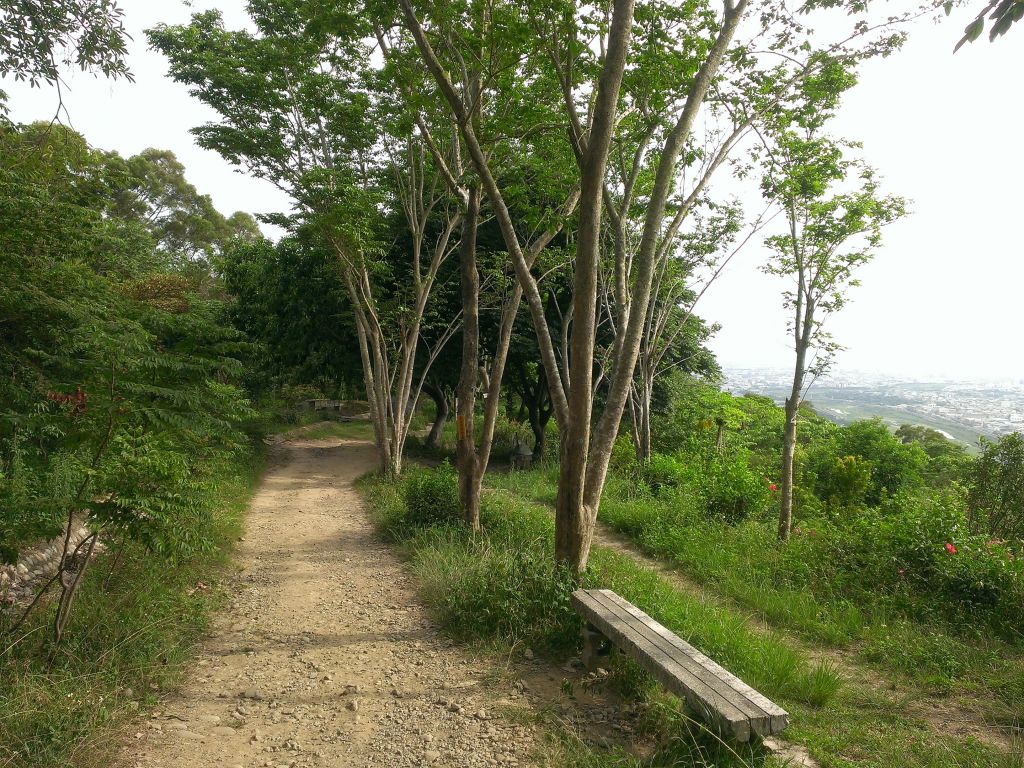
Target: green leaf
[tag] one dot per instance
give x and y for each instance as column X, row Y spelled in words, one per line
column 973, row 30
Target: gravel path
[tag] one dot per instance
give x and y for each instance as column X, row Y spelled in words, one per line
column 325, row 658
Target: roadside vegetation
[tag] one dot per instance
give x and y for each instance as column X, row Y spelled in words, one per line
column 888, row 558
column 132, row 634
column 501, row 589
column 129, row 406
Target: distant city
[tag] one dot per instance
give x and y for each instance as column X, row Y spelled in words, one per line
column 963, row 410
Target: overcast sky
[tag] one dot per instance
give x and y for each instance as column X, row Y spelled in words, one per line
column 944, row 296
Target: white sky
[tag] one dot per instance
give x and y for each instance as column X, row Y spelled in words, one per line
column 944, row 295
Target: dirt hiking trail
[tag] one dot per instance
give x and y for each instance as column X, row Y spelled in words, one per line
column 325, row 658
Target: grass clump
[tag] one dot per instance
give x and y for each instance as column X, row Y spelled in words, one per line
column 431, row 496
column 501, row 585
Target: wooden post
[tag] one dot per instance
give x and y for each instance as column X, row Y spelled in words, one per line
column 594, row 645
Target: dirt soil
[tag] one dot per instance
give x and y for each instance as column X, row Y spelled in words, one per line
column 325, row 658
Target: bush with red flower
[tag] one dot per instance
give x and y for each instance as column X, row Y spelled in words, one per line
column 922, row 551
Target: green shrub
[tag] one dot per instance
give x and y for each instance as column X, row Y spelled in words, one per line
column 996, row 480
column 845, row 482
column 432, row 496
column 623, row 458
column 662, row 472
column 915, row 555
column 129, row 640
column 895, row 467
column 727, row 488
column 732, row 491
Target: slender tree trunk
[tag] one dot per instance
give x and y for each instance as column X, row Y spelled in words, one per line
column 788, row 455
column 540, row 431
column 607, row 426
column 394, row 468
column 69, row 590
column 574, row 517
column 539, row 415
column 574, row 521
column 533, row 416
column 377, row 417
column 467, row 461
column 634, row 421
column 801, row 332
column 645, row 449
column 441, row 413
column 538, row 436
column 643, row 428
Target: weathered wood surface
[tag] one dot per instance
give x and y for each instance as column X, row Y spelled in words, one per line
column 710, row 691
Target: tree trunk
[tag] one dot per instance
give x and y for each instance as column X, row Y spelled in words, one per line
column 645, row 433
column 394, row 459
column 467, row 461
column 574, row 521
column 788, row 455
column 540, row 433
column 539, row 417
column 535, row 406
column 377, row 417
column 441, row 416
column 802, row 331
column 643, row 430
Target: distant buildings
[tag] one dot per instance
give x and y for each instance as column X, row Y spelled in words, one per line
column 962, row 409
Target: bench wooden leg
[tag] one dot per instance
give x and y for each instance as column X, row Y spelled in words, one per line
column 595, row 645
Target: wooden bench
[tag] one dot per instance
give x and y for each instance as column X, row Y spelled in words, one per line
column 716, row 695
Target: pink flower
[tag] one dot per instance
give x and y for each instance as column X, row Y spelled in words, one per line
column 950, row 548
column 773, row 487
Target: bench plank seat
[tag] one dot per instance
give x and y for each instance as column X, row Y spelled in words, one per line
column 709, row 690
